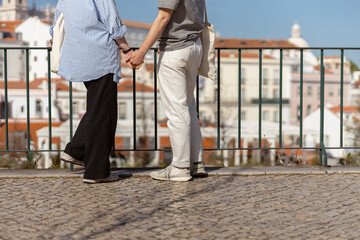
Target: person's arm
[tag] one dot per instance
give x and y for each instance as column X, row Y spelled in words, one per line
column 155, row 32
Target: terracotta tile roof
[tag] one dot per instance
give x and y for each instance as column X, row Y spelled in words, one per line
column 9, row 26
column 349, row 109
column 317, row 68
column 127, row 86
column 16, row 125
column 239, row 43
column 136, row 24
column 244, row 55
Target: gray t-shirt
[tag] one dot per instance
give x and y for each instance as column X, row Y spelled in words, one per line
column 185, row 26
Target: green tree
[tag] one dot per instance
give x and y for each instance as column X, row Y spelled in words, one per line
column 353, row 67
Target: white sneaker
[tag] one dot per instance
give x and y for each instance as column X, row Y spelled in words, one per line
column 69, row 159
column 172, row 173
column 197, row 169
column 112, row 178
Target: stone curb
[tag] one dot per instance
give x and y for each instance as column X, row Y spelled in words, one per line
column 219, row 172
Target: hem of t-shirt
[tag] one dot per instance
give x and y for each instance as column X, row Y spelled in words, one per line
column 182, row 45
column 116, row 77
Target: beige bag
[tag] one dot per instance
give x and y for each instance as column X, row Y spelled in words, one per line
column 208, row 67
column 58, row 40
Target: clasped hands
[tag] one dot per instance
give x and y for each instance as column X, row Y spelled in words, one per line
column 134, row 59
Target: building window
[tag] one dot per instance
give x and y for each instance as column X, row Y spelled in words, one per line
column 1, row 70
column 308, row 110
column 276, row 93
column 75, row 108
column 152, row 111
column 122, row 110
column 265, row 77
column 298, row 112
column 38, row 106
column 243, row 115
column 22, row 109
column 298, row 90
column 276, row 116
column 276, row 77
column 318, row 92
column 243, row 76
column 265, row 93
column 35, row 59
column 309, row 89
column 139, row 110
column 265, row 115
column 242, row 95
column 331, row 90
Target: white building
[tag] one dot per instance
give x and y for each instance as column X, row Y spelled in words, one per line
column 35, row 33
column 15, row 10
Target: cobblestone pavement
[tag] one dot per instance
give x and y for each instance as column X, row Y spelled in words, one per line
column 217, row 207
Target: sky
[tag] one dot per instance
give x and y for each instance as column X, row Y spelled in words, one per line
column 324, row 23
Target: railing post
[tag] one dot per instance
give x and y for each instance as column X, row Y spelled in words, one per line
column 239, row 99
column 322, row 105
column 49, row 100
column 134, row 107
column 155, row 100
column 281, row 97
column 218, row 99
column 342, row 99
column 301, row 95
column 28, row 106
column 6, row 101
column 260, row 96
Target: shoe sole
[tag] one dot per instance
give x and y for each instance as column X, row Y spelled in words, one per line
column 73, row 162
column 200, row 175
column 90, row 181
column 174, row 179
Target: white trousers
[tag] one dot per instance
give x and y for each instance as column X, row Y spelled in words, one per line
column 177, row 79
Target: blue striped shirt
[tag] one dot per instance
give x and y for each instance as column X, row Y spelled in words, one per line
column 89, row 50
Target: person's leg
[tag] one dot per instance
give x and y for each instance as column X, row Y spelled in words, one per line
column 76, row 147
column 196, row 146
column 174, row 98
column 100, row 124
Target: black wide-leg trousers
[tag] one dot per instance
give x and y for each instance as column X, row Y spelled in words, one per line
column 95, row 134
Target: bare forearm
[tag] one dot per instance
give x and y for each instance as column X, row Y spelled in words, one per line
column 122, row 43
column 156, row 30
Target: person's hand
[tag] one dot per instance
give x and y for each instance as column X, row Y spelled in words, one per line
column 137, row 59
column 128, row 57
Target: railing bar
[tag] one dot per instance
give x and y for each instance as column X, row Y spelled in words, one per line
column 322, row 99
column 134, row 108
column 218, row 98
column 6, row 101
column 49, row 100
column 239, row 99
column 221, row 48
column 301, row 95
column 155, row 100
column 281, row 98
column 27, row 105
column 260, row 95
column 342, row 100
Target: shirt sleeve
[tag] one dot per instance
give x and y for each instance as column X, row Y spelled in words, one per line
column 109, row 16
column 58, row 11
column 169, row 4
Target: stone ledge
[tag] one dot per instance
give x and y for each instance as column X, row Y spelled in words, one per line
column 213, row 171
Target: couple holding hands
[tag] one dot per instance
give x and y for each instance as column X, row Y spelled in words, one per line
column 90, row 54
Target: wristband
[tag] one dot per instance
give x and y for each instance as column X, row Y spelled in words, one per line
column 127, row 51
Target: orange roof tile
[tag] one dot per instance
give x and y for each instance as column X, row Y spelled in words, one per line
column 9, row 26
column 16, row 125
column 244, row 43
column 127, row 86
column 349, row 109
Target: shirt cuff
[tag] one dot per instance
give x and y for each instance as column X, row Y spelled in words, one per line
column 120, row 33
column 168, row 5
